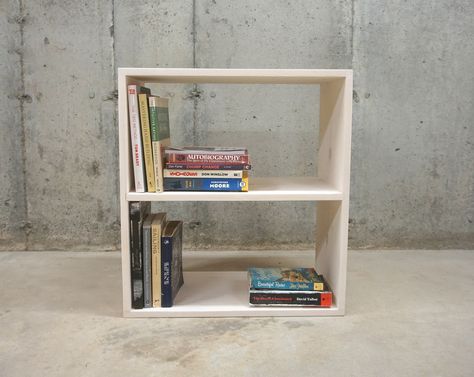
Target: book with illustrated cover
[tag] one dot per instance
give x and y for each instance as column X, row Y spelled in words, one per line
column 206, row 184
column 136, row 137
column 171, row 262
column 160, row 135
column 146, row 141
column 296, row 279
column 219, row 155
column 138, row 212
column 208, row 166
column 170, row 173
column 321, row 299
column 157, row 225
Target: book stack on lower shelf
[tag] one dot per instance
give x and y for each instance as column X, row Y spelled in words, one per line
column 155, row 257
column 206, row 169
column 288, row 287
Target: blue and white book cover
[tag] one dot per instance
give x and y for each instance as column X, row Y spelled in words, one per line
column 298, row 279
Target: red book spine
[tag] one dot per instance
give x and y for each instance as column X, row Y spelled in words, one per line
column 207, row 158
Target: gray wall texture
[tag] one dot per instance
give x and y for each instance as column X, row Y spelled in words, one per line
column 413, row 124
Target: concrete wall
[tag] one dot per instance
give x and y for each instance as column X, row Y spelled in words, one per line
column 413, row 130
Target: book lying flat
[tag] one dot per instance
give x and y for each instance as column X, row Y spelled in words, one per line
column 296, row 279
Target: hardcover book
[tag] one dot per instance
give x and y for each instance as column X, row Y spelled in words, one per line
column 171, row 262
column 157, row 226
column 138, row 211
column 206, row 184
column 146, row 140
column 296, row 279
column 290, row 298
column 220, row 155
column 160, row 135
column 135, row 136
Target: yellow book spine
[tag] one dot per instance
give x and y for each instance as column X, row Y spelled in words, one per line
column 245, row 180
column 147, row 148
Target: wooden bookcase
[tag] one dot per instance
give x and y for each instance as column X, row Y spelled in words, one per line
column 200, row 296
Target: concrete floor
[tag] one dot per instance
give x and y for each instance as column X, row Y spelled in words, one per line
column 409, row 313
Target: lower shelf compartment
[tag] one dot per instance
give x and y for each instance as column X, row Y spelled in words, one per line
column 223, row 294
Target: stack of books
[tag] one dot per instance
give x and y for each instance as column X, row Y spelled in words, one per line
column 288, row 287
column 149, row 134
column 155, row 257
column 206, row 169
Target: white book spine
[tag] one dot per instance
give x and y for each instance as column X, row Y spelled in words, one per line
column 177, row 173
column 136, row 139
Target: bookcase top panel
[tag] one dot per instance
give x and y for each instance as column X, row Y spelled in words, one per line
column 234, row 76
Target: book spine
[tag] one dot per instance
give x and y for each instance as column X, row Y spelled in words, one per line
column 136, row 260
column 166, row 259
column 320, row 299
column 156, row 265
column 135, row 138
column 156, row 145
column 170, row 173
column 205, row 184
column 207, row 166
column 287, row 285
column 147, row 266
column 147, row 150
column 206, row 158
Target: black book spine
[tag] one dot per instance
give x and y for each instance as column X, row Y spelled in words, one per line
column 136, row 257
column 322, row 299
column 166, row 259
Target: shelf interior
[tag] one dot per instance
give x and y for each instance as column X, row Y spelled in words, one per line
column 222, row 294
column 260, row 189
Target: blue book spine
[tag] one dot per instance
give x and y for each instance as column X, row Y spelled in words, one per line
column 205, row 184
column 166, row 257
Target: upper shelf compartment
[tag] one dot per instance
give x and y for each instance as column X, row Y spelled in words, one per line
column 235, row 76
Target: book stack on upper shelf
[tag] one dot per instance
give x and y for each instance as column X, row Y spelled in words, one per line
column 155, row 257
column 149, row 134
column 288, row 287
column 206, row 169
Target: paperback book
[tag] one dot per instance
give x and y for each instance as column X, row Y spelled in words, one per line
column 171, row 173
column 295, row 279
column 290, row 298
column 171, row 262
column 135, row 136
column 206, row 184
column 160, row 135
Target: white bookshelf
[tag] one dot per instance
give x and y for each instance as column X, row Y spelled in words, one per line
column 200, row 296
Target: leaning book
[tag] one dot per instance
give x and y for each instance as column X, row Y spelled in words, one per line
column 171, row 262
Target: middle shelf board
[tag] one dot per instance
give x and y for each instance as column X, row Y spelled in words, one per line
column 260, row 189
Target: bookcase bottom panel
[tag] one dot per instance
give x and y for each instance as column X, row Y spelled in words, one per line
column 223, row 294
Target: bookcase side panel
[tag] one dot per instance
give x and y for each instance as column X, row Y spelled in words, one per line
column 331, row 133
column 331, row 247
column 126, row 183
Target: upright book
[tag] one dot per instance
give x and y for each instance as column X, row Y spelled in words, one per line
column 171, row 262
column 146, row 140
column 135, row 136
column 138, row 211
column 157, row 226
column 160, row 135
column 146, row 236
